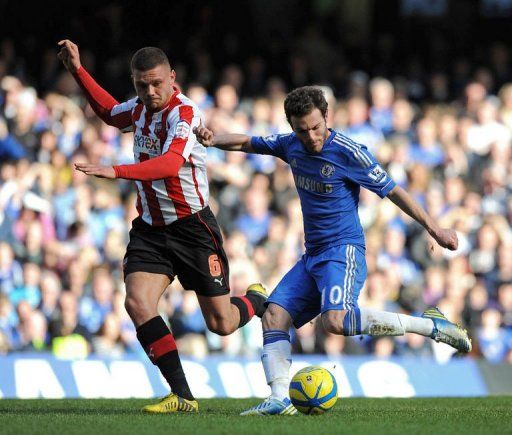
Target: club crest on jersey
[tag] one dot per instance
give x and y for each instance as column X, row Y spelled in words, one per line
column 158, row 127
column 327, row 170
column 182, row 130
column 377, row 174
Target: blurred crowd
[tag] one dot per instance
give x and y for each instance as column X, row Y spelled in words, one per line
column 444, row 135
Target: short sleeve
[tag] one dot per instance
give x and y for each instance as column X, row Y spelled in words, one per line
column 366, row 171
column 274, row 145
column 180, row 137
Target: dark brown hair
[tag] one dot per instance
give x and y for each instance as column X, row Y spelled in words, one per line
column 302, row 101
column 148, row 58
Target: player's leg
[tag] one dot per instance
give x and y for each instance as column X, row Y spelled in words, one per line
column 277, row 350
column 147, row 275
column 295, row 299
column 224, row 314
column 340, row 273
column 276, row 359
column 143, row 291
column 367, row 321
column 343, row 276
column 202, row 265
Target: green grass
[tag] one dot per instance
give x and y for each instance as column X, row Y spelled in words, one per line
column 220, row 416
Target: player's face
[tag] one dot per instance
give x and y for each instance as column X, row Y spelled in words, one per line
column 311, row 130
column 154, row 86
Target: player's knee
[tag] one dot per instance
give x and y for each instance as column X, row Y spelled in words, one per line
column 272, row 319
column 131, row 305
column 136, row 308
column 268, row 320
column 329, row 325
column 332, row 321
column 219, row 325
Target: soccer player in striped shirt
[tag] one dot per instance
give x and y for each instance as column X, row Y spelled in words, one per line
column 175, row 233
column 329, row 169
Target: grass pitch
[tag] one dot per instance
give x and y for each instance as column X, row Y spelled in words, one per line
column 220, row 416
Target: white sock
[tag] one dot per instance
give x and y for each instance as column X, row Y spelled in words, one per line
column 416, row 324
column 378, row 323
column 276, row 359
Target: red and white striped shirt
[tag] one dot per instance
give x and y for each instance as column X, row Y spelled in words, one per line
column 159, row 138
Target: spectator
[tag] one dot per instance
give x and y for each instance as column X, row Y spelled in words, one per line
column 447, row 139
column 70, row 338
column 359, row 128
column 505, row 305
column 8, row 322
column 493, row 339
column 11, row 275
column 32, row 330
column 402, row 122
column 50, row 294
column 10, row 148
column 394, row 254
column 381, row 111
column 29, row 291
column 254, row 223
column 108, row 340
column 427, row 149
column 94, row 308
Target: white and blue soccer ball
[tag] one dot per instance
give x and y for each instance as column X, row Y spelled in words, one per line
column 313, row 390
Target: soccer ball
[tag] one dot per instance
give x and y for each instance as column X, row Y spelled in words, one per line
column 313, row 390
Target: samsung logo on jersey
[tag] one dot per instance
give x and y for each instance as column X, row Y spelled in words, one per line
column 311, row 184
column 146, row 143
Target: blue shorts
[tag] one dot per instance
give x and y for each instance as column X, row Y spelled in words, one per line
column 331, row 280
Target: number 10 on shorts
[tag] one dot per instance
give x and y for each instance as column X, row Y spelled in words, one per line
column 335, row 295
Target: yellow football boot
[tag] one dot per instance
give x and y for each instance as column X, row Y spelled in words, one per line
column 172, row 403
column 262, row 295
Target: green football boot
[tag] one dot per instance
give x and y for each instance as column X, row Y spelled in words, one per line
column 448, row 332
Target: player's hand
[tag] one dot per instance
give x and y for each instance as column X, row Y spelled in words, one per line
column 204, row 135
column 446, row 238
column 69, row 55
column 96, row 170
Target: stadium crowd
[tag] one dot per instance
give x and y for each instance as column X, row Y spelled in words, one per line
column 445, row 135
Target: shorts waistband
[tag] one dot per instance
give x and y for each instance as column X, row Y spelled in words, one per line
column 202, row 213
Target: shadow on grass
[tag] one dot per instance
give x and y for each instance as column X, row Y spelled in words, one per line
column 77, row 411
column 69, row 411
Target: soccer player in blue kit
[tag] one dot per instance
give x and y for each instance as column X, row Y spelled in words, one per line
column 329, row 169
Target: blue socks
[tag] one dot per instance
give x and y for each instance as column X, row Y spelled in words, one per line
column 273, row 335
column 352, row 322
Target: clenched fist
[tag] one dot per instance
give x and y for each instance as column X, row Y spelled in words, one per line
column 204, row 135
column 69, row 55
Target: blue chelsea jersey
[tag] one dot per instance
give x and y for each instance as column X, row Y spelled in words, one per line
column 328, row 184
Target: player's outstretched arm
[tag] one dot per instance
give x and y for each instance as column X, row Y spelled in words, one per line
column 165, row 166
column 100, row 100
column 226, row 142
column 447, row 238
column 99, row 171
